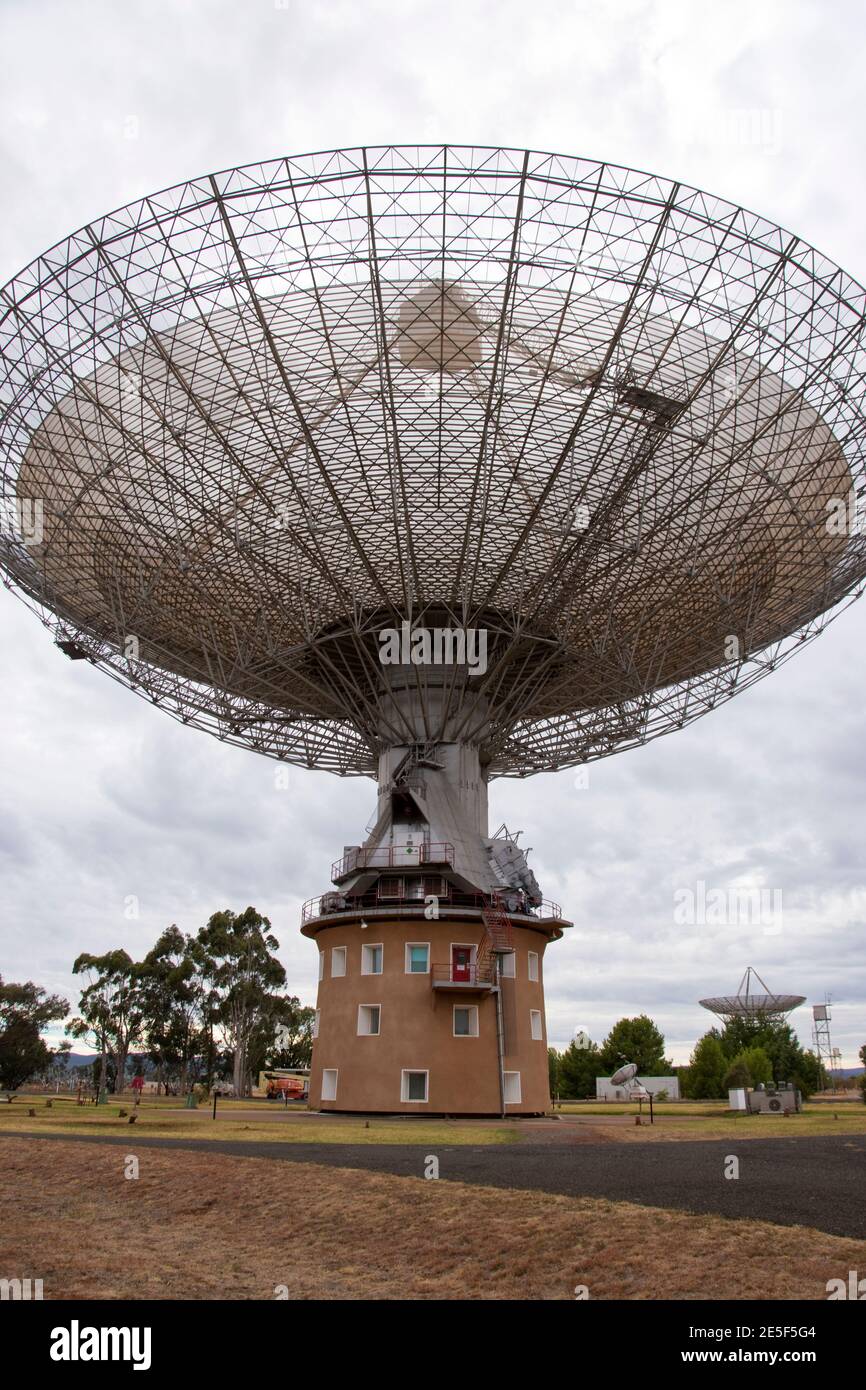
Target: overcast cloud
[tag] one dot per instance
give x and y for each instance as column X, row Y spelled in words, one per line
column 105, row 801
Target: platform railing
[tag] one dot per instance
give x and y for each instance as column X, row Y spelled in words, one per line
column 333, row 903
column 467, row 976
column 407, row 856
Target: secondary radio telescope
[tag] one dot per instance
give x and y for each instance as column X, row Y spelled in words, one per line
column 753, row 1003
column 433, row 464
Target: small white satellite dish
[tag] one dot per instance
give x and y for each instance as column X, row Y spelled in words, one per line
column 624, row 1074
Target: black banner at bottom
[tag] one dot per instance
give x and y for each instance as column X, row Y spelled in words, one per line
column 64, row 1339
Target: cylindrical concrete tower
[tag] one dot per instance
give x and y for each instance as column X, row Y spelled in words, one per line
column 416, row 1014
column 431, row 948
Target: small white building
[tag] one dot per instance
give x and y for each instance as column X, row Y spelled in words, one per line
column 605, row 1090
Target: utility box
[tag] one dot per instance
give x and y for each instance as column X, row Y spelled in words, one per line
column 783, row 1101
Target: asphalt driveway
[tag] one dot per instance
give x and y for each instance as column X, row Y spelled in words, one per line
column 818, row 1182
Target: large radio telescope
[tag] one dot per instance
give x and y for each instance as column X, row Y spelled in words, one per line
column 753, row 1002
column 264, row 415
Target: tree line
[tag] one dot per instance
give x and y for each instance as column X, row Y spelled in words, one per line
column 746, row 1052
column 205, row 1007
column 573, row 1071
column 200, row 1008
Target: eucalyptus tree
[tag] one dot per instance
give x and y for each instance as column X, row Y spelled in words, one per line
column 25, row 1010
column 173, row 992
column 241, row 975
column 112, row 1008
column 283, row 1036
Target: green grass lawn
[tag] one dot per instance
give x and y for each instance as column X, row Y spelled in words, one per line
column 679, row 1107
column 166, row 1117
column 713, row 1120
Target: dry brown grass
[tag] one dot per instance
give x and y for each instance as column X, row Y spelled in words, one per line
column 200, row 1225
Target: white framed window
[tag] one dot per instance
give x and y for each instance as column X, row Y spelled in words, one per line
column 371, row 959
column 413, row 1086
column 532, row 964
column 512, row 1087
column 369, row 1020
column 466, row 1020
column 535, row 1026
column 506, row 964
column 321, row 965
column 338, row 961
column 417, row 957
column 329, row 1084
column 316, row 1016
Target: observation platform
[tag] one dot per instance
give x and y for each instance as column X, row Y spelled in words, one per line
column 467, row 979
column 359, row 858
column 329, row 909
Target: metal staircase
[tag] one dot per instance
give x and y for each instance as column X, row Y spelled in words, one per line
column 498, row 925
column 498, row 937
column 418, row 755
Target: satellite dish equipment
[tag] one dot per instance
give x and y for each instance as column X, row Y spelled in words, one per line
column 625, row 1075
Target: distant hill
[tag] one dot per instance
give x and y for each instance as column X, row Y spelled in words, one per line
column 86, row 1059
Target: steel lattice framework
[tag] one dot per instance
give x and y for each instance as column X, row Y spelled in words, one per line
column 260, row 416
column 753, row 1001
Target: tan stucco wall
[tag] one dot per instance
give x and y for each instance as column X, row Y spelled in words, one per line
column 416, row 1027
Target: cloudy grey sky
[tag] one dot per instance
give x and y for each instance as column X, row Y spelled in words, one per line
column 103, row 799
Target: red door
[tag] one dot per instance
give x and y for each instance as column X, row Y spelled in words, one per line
column 461, row 959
